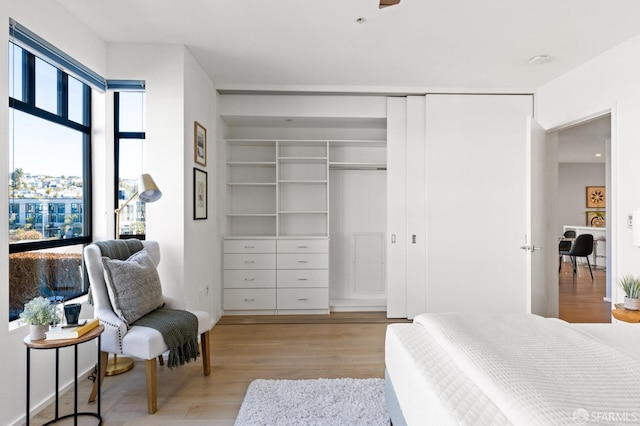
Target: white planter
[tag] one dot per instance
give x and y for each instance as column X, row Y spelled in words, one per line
column 632, row 304
column 37, row 331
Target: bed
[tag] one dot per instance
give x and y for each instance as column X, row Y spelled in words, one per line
column 511, row 369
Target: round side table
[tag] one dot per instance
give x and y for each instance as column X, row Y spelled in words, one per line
column 626, row 315
column 57, row 344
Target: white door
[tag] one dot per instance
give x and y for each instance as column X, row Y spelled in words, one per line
column 537, row 189
column 476, row 173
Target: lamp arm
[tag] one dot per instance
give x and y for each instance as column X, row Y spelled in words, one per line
column 118, row 210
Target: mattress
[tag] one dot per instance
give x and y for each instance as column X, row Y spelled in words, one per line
column 429, row 386
column 509, row 369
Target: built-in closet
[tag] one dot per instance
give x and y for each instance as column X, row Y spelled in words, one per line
column 406, row 204
column 305, row 209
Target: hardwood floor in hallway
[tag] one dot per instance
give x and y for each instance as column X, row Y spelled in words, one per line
column 581, row 299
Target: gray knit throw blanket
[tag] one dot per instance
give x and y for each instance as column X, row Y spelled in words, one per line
column 119, row 249
column 179, row 329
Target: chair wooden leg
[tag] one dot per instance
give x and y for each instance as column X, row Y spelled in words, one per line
column 104, row 358
column 204, row 351
column 160, row 360
column 152, row 397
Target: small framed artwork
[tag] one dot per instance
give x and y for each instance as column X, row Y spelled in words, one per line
column 596, row 196
column 595, row 219
column 200, row 143
column 199, row 194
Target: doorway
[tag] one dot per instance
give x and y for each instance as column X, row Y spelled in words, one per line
column 583, row 205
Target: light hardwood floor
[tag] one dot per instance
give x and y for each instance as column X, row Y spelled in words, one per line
column 241, row 351
column 285, row 347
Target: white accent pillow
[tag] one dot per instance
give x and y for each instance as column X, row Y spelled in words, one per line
column 133, row 286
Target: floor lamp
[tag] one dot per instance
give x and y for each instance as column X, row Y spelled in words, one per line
column 147, row 192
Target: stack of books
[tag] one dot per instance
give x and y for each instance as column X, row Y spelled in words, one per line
column 72, row 332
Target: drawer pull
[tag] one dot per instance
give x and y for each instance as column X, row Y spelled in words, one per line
column 249, row 261
column 302, row 279
column 303, row 246
column 249, row 247
column 249, row 279
column 303, row 261
column 249, row 300
column 303, row 299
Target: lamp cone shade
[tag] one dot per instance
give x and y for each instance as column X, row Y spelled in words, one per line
column 148, row 191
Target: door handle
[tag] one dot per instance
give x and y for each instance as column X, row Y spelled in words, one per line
column 530, row 248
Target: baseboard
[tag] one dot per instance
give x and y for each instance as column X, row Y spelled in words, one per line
column 358, row 305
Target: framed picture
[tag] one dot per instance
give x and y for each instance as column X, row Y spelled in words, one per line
column 199, row 194
column 596, row 196
column 595, row 219
column 200, row 143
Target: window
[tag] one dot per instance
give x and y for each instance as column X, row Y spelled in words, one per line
column 49, row 182
column 129, row 112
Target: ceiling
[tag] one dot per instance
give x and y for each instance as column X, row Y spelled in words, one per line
column 415, row 46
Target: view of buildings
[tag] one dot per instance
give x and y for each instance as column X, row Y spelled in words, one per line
column 44, row 207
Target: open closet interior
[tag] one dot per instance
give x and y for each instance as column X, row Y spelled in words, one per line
column 305, row 214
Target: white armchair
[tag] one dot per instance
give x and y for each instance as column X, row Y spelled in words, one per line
column 139, row 342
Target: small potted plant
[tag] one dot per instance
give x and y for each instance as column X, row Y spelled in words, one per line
column 630, row 285
column 39, row 313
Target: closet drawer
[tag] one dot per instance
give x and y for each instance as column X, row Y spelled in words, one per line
column 249, row 261
column 249, row 299
column 303, row 298
column 303, row 278
column 303, row 246
column 249, row 246
column 303, row 261
column 249, row 278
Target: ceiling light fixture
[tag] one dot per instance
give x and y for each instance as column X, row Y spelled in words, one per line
column 361, row 20
column 540, row 59
column 598, row 155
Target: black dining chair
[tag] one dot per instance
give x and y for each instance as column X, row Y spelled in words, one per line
column 582, row 247
column 564, row 246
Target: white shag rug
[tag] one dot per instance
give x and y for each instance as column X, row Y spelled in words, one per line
column 317, row 402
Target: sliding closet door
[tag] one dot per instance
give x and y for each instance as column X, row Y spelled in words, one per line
column 406, row 243
column 476, row 163
column 397, row 207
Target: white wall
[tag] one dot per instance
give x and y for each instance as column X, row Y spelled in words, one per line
column 573, row 178
column 162, row 67
column 46, row 19
column 202, row 249
column 608, row 82
column 177, row 93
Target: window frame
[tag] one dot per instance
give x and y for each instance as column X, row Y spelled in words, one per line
column 28, row 106
column 118, row 136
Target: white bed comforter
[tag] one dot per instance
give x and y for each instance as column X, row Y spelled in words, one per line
column 540, row 371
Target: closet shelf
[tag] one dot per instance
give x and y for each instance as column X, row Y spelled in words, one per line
column 303, row 181
column 357, row 165
column 251, row 183
column 251, row 163
column 251, row 214
column 303, row 160
column 303, row 212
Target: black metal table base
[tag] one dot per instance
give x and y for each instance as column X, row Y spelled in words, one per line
column 75, row 413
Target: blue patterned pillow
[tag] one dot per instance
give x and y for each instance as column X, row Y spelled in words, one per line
column 133, row 286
